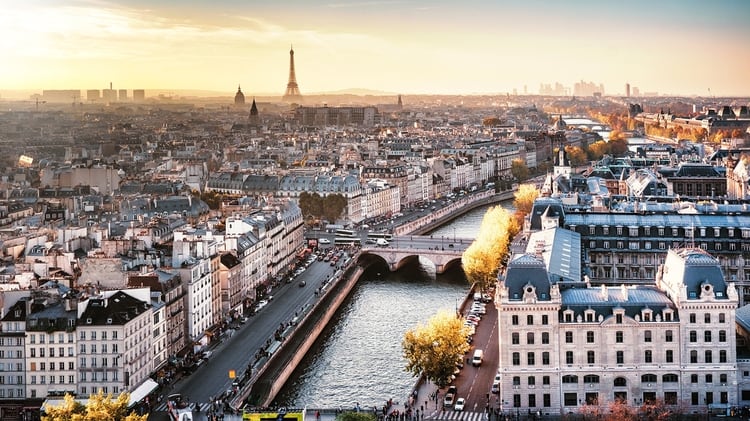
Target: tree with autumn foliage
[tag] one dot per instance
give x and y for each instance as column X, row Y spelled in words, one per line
column 482, row 260
column 524, row 201
column 99, row 407
column 519, row 169
column 434, row 348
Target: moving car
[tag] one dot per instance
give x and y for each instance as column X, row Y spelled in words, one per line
column 382, row 242
column 460, row 403
column 324, row 241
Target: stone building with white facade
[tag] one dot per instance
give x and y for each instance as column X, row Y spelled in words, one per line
column 566, row 347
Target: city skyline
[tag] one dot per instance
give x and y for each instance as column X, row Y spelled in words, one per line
column 408, row 47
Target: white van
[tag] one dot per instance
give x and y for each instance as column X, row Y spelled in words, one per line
column 476, row 360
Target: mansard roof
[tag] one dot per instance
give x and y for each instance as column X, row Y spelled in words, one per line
column 527, row 270
column 697, row 271
column 604, row 301
column 118, row 309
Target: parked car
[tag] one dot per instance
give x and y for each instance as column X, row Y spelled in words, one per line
column 460, row 403
column 448, row 401
column 324, row 241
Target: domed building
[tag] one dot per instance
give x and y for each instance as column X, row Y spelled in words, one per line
column 239, row 97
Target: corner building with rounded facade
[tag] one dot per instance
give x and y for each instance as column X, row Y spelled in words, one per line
column 571, row 348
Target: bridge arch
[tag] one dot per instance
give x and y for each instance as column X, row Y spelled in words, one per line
column 395, row 259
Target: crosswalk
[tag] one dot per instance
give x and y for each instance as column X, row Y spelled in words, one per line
column 451, row 415
column 205, row 407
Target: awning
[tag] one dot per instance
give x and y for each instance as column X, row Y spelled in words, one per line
column 142, row 391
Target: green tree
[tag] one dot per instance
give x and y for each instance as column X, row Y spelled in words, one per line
column 333, row 206
column 99, row 407
column 433, row 349
column 356, row 416
column 519, row 169
column 482, row 260
column 618, row 147
column 311, row 204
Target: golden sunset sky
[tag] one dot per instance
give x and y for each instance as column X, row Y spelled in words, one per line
column 410, row 47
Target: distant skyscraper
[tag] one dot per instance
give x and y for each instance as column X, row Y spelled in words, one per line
column 139, row 95
column 93, row 95
column 239, row 97
column 627, row 90
column 122, row 94
column 292, row 90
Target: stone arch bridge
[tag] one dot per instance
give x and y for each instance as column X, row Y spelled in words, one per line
column 443, row 252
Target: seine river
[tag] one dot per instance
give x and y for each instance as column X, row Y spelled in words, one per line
column 358, row 359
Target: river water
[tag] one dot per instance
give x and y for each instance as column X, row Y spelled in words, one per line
column 358, row 358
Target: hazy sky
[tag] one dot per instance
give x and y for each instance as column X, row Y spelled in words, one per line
column 401, row 46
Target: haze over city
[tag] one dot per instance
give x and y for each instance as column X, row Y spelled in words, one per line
column 409, row 47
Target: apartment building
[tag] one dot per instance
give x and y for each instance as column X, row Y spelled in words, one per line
column 115, row 332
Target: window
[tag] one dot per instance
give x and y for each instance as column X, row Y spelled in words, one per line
column 545, row 319
column 531, row 381
column 668, row 336
column 545, row 358
column 516, row 358
column 568, row 357
column 570, row 399
column 707, row 318
column 618, row 336
column 515, row 338
column 545, row 380
column 620, row 382
column 530, row 338
column 547, row 400
column 722, row 318
column 648, row 378
column 590, row 357
column 693, row 378
column 707, row 336
column 591, row 378
column 709, row 378
column 693, row 356
column 514, row 320
column 722, row 356
column 618, row 318
column 708, row 356
column 530, row 319
column 516, row 401
column 670, row 378
column 532, row 400
column 722, row 378
column 669, row 356
column 620, row 357
column 590, row 337
column 568, row 337
column 692, row 317
column 647, row 336
column 722, row 336
column 530, row 358
column 647, row 356
column 569, row 379
column 693, row 336
column 516, row 380
column 545, row 338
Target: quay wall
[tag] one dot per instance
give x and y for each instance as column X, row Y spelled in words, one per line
column 271, row 376
column 456, row 209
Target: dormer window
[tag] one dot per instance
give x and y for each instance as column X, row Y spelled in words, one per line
column 89, row 321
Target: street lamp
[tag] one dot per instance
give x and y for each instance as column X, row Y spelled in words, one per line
column 454, row 234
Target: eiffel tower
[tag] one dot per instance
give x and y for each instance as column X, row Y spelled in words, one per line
column 292, row 90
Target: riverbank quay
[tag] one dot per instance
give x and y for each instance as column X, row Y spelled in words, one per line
column 280, row 363
column 454, row 210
